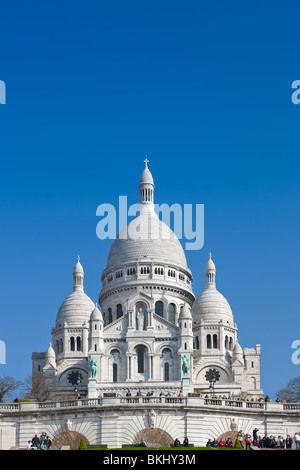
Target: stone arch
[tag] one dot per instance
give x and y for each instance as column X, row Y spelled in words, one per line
column 163, row 347
column 154, row 437
column 70, row 439
column 119, row 347
column 114, row 354
column 67, row 377
column 139, row 342
column 200, row 371
column 167, row 361
column 138, row 299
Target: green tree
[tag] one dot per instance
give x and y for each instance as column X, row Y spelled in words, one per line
column 82, row 445
column 237, row 444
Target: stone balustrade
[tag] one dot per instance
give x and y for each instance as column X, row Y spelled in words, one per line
column 154, row 401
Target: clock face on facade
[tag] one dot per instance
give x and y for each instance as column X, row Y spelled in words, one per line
column 212, row 375
column 74, row 377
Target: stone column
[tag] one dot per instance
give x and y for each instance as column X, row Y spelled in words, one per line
column 92, row 391
column 84, row 341
column 150, row 319
column 129, row 366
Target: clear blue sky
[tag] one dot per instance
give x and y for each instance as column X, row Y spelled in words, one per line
column 202, row 88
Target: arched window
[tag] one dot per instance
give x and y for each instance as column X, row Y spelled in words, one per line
column 215, row 341
column 78, row 343
column 115, row 372
column 208, row 341
column 159, row 308
column 72, row 343
column 226, row 342
column 61, row 345
column 172, row 310
column 197, row 342
column 167, row 372
column 119, row 310
column 109, row 315
column 141, row 360
column 230, row 344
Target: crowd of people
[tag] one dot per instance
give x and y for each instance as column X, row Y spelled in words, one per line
column 221, row 443
column 262, row 442
column 265, row 399
column 39, row 443
column 275, row 442
column 151, row 393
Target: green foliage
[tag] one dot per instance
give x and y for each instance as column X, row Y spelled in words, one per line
column 23, row 400
column 237, row 444
column 82, row 445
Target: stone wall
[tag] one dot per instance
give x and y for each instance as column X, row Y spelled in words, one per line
column 114, row 422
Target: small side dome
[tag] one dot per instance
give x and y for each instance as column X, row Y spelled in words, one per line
column 77, row 307
column 211, row 305
column 96, row 314
column 50, row 353
column 185, row 313
column 237, row 350
column 237, row 354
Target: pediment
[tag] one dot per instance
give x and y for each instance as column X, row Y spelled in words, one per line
column 140, row 296
column 117, row 327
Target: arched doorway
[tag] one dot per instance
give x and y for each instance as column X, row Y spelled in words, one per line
column 70, row 439
column 154, row 437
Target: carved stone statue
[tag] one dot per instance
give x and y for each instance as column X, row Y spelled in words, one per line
column 92, row 367
column 233, row 425
column 151, row 417
column 140, row 319
column 69, row 425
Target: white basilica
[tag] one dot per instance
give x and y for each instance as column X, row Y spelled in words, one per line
column 150, row 333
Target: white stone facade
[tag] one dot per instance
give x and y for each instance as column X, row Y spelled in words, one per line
column 148, row 321
column 115, row 422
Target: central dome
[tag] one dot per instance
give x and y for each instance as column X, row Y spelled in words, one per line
column 146, row 238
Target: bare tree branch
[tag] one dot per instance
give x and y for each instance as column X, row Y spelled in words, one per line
column 7, row 385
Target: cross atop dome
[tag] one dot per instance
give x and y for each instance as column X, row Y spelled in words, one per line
column 210, row 272
column 78, row 275
column 146, row 186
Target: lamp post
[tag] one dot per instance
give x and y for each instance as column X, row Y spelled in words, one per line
column 212, row 385
column 76, row 387
column 212, row 376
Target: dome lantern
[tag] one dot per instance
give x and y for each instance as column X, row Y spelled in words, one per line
column 146, row 186
column 78, row 275
column 210, row 273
